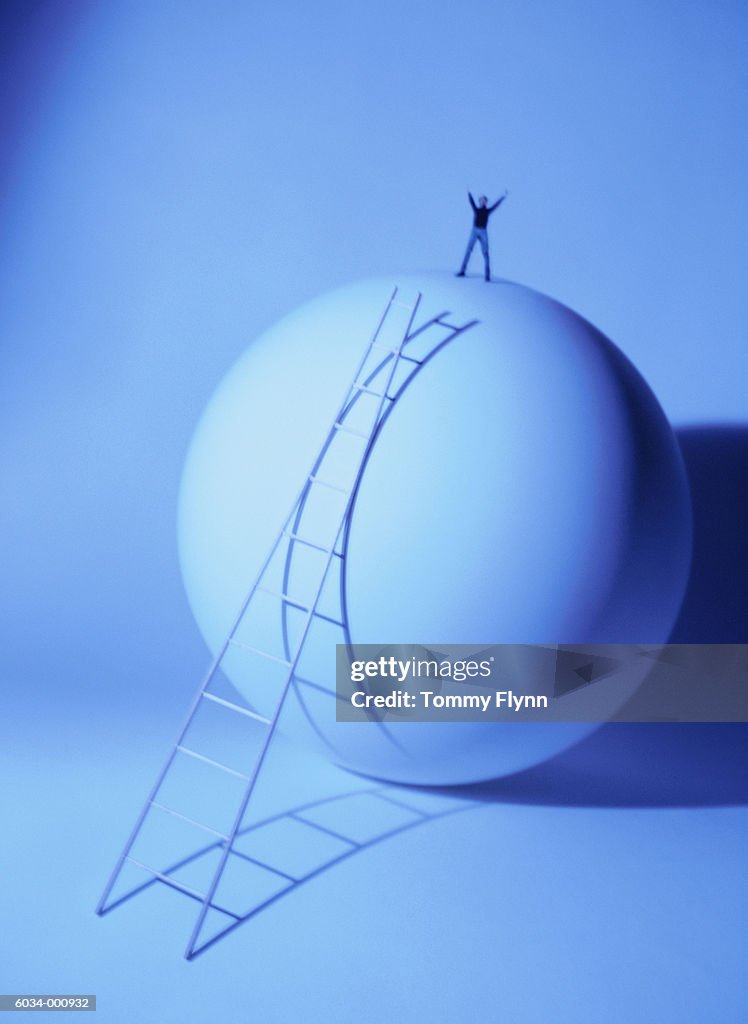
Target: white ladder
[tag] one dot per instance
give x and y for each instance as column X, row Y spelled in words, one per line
column 384, row 371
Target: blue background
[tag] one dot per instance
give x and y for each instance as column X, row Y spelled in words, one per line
column 175, row 177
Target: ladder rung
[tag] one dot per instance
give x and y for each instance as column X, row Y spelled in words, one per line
column 266, row 866
column 384, row 348
column 190, row 821
column 411, row 359
column 315, row 686
column 403, row 305
column 349, row 430
column 242, row 711
column 209, row 760
column 168, row 880
column 327, row 618
column 322, row 828
column 262, row 654
column 399, row 803
column 454, row 327
column 326, row 483
column 369, row 391
column 309, row 543
column 284, row 598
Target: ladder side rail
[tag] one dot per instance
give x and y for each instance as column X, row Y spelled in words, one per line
column 394, row 356
column 409, row 337
column 258, row 763
column 352, row 396
column 299, row 512
column 192, row 710
column 270, row 731
column 221, row 653
column 304, row 492
column 153, row 792
column 350, row 401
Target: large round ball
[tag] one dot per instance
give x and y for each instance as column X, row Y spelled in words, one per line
column 525, row 488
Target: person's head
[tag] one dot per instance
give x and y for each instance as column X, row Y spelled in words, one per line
column 483, row 200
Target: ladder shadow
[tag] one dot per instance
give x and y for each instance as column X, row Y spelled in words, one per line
column 350, row 823
column 715, row 607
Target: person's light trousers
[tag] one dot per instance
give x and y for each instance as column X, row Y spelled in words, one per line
column 477, row 235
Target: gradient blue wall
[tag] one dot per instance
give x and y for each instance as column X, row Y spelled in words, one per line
column 177, row 175
column 184, row 173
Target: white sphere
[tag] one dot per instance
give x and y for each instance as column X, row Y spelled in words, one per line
column 526, row 488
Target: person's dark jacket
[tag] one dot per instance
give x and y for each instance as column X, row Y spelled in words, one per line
column 482, row 213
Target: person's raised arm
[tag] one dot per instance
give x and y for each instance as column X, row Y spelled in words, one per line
column 472, row 201
column 498, row 202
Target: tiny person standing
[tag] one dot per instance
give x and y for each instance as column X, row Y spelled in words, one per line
column 481, row 213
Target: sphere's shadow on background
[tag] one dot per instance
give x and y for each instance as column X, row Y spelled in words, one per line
column 664, row 764
column 715, row 608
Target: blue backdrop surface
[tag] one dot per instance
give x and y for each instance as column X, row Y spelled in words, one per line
column 177, row 176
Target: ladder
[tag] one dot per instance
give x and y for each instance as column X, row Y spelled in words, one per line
column 280, row 617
